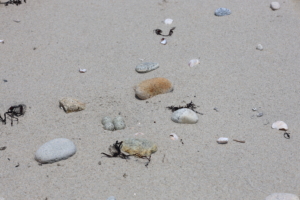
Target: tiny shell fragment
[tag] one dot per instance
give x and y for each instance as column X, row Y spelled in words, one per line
column 259, row 47
column 1, row 41
column 139, row 134
column 194, row 62
column 222, row 140
column 82, row 70
column 173, row 136
column 168, row 21
column 163, row 41
column 280, row 125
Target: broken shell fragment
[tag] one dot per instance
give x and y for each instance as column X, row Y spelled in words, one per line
column 168, row 21
column 222, row 140
column 82, row 70
column 163, row 41
column 280, row 125
column 136, row 134
column 194, row 62
column 1, row 41
column 173, row 136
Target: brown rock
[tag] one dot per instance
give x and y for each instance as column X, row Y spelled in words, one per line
column 152, row 87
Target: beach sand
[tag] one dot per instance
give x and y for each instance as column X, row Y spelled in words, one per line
column 42, row 54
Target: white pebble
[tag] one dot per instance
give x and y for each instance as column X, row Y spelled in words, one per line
column 111, row 198
column 168, row 21
column 55, row 150
column 259, row 47
column 146, row 67
column 163, row 41
column 82, row 70
column 1, row 41
column 184, row 116
column 194, row 62
column 174, row 136
column 282, row 196
column 275, row 5
column 222, row 140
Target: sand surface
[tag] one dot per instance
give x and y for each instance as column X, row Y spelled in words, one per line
column 108, row 38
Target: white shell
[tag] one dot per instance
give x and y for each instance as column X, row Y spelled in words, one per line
column 275, row 5
column 222, row 140
column 259, row 47
column 163, row 41
column 168, row 21
column 173, row 136
column 82, row 70
column 1, row 41
column 194, row 62
column 139, row 134
column 280, row 125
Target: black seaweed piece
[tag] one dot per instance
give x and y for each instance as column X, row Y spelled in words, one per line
column 191, row 106
column 286, row 135
column 159, row 32
column 16, row 2
column 14, row 112
column 115, row 151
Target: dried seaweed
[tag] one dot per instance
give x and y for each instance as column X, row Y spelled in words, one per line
column 16, row 2
column 190, row 105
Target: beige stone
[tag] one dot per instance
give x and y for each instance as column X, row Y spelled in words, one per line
column 71, row 105
column 139, row 147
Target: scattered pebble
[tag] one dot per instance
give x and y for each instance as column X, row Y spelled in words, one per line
column 168, row 21
column 18, row 21
column 55, row 150
column 108, row 123
column 216, row 109
column 275, row 5
column 222, row 140
column 82, row 70
column 259, row 114
column 111, row 198
column 139, row 147
column 163, row 41
column 254, row 109
column 280, row 125
column 174, row 136
column 5, row 80
column 2, row 41
column 119, row 123
column 259, row 47
column 71, row 105
column 153, row 87
column 282, row 196
column 146, row 67
column 222, row 12
column 2, row 148
column 184, row 116
column 194, row 62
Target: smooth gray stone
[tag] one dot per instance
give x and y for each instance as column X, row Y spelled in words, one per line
column 111, row 198
column 108, row 123
column 222, row 12
column 55, row 150
column 146, row 67
column 184, row 116
column 282, row 196
column 119, row 123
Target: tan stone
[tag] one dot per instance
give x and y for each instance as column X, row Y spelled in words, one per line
column 139, row 147
column 71, row 105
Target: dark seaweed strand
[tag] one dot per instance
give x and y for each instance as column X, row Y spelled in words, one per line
column 190, row 105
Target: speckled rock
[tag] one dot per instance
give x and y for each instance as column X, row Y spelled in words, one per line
column 71, row 105
column 139, row 147
column 184, row 116
column 222, row 12
column 153, row 87
column 282, row 196
column 107, row 123
column 119, row 123
column 146, row 67
column 55, row 150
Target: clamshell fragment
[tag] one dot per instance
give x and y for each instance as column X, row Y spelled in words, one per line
column 82, row 70
column 163, row 41
column 173, row 136
column 280, row 125
column 168, row 21
column 194, row 62
column 222, row 140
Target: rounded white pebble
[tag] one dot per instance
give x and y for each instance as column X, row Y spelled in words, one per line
column 222, row 140
column 275, row 5
column 55, row 150
column 259, row 47
column 163, row 41
column 184, row 116
column 168, row 21
column 282, row 196
column 1, row 41
column 82, row 70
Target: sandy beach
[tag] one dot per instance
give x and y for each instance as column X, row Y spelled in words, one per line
column 40, row 59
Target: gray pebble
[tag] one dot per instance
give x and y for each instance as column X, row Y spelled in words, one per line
column 55, row 150
column 119, row 123
column 222, row 12
column 184, row 116
column 111, row 198
column 108, row 123
column 282, row 196
column 260, row 114
column 146, row 67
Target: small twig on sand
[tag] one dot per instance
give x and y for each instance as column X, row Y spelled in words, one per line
column 240, row 141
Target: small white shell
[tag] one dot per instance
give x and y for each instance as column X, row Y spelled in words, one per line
column 168, row 21
column 280, row 125
column 275, row 5
column 82, row 70
column 222, row 140
column 259, row 47
column 194, row 62
column 174, row 136
column 139, row 134
column 1, row 41
column 163, row 41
